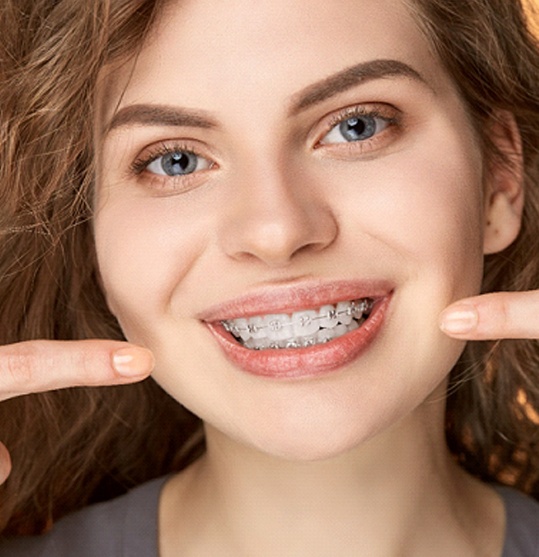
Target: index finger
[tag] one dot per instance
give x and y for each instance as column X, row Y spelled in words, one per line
column 493, row 316
column 43, row 365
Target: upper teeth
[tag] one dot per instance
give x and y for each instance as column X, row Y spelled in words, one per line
column 301, row 328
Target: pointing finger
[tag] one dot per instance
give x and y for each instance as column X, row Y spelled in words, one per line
column 43, row 365
column 493, row 316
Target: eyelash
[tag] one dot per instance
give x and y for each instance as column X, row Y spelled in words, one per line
column 388, row 115
column 140, row 164
column 183, row 182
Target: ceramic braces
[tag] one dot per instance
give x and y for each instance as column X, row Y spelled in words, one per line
column 356, row 310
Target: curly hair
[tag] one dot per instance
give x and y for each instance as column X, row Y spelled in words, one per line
column 76, row 446
column 493, row 397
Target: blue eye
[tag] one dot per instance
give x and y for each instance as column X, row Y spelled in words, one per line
column 355, row 128
column 177, row 163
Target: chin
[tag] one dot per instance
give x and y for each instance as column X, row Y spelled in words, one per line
column 313, row 440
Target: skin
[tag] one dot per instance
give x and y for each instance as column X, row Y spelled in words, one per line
column 245, row 473
column 276, row 201
column 265, row 215
column 27, row 366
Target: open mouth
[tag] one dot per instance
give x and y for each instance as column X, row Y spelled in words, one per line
column 320, row 327
column 300, row 329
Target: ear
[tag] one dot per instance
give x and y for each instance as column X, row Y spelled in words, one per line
column 504, row 188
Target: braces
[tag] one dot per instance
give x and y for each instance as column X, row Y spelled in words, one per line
column 356, row 310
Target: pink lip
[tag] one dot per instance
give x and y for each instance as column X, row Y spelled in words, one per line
column 298, row 363
column 290, row 298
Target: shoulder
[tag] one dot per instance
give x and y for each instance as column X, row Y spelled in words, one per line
column 522, row 524
column 126, row 525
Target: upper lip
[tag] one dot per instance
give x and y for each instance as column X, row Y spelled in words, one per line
column 295, row 297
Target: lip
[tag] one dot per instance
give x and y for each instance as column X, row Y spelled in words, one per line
column 296, row 297
column 299, row 363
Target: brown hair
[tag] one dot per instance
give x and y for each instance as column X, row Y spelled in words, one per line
column 493, row 398
column 79, row 445
column 74, row 446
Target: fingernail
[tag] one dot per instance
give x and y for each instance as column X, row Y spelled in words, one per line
column 133, row 361
column 459, row 319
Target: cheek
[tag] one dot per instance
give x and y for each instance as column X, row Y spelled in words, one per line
column 422, row 209
column 145, row 249
column 438, row 215
column 424, row 205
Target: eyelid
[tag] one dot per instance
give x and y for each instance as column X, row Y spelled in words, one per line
column 155, row 151
column 387, row 112
column 170, row 185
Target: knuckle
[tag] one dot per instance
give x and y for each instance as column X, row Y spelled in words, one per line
column 39, row 366
column 84, row 369
column 504, row 312
column 507, row 317
column 24, row 367
column 18, row 368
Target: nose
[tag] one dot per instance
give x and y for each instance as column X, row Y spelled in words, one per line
column 274, row 215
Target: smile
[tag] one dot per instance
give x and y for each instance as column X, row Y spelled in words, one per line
column 300, row 329
column 303, row 330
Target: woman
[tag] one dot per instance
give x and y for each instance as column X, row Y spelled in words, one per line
column 280, row 216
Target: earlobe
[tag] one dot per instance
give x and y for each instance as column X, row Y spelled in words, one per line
column 504, row 191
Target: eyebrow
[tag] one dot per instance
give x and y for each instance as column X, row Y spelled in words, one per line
column 159, row 115
column 165, row 115
column 351, row 77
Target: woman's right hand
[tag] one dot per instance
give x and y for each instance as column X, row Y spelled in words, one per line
column 44, row 365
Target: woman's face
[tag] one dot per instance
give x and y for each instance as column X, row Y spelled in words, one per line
column 266, row 166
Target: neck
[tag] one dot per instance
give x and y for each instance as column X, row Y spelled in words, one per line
column 393, row 495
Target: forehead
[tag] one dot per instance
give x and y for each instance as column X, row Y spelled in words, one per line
column 221, row 54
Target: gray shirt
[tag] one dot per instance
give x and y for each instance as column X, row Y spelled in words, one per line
column 522, row 526
column 123, row 527
column 127, row 527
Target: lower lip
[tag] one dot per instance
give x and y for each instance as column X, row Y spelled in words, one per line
column 300, row 363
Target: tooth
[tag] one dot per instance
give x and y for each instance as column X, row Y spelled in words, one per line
column 324, row 335
column 328, row 317
column 276, row 345
column 257, row 344
column 308, row 341
column 343, row 314
column 357, row 308
column 302, row 328
column 368, row 304
column 277, row 326
column 233, row 328
column 305, row 323
column 241, row 328
column 293, row 344
column 256, row 327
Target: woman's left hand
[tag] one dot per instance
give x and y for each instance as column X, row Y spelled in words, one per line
column 493, row 316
